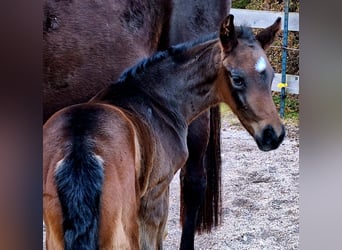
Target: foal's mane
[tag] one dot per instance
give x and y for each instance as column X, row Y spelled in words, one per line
column 243, row 32
column 160, row 55
column 127, row 81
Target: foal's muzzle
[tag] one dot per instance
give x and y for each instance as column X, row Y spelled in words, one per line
column 268, row 138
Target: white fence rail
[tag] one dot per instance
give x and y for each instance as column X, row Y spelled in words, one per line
column 291, row 80
column 263, row 19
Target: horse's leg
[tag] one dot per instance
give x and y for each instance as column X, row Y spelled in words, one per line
column 163, row 222
column 153, row 215
column 193, row 179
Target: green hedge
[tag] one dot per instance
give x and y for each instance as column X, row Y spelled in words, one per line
column 240, row 4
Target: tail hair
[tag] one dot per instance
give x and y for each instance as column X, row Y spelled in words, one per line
column 210, row 212
column 79, row 180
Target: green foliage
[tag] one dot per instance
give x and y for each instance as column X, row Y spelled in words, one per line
column 240, row 4
column 273, row 5
column 291, row 112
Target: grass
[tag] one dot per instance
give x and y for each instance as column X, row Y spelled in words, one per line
column 291, row 114
column 229, row 116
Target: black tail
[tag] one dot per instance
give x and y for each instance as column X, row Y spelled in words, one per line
column 79, row 181
column 209, row 214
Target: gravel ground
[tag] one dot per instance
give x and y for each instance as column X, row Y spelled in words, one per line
column 260, row 196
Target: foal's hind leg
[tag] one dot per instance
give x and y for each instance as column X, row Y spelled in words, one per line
column 193, row 179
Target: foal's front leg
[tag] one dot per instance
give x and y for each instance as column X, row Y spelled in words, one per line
column 153, row 217
column 193, row 179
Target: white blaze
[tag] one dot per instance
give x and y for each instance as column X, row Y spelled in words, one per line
column 260, row 65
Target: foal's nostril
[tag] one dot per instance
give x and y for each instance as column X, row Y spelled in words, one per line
column 268, row 135
column 269, row 139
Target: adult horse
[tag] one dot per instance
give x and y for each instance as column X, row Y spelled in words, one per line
column 200, row 178
column 108, row 163
column 87, row 44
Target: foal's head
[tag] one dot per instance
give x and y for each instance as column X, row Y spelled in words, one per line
column 249, row 75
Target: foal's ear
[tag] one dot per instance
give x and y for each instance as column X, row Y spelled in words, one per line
column 267, row 36
column 227, row 33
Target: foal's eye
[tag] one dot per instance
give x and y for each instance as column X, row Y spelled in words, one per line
column 238, row 82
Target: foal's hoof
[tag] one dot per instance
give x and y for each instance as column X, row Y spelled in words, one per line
column 165, row 233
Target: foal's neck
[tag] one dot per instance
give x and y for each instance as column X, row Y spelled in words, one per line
column 188, row 76
column 178, row 84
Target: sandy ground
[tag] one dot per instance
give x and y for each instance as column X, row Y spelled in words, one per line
column 260, row 196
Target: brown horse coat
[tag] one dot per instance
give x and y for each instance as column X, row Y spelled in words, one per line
column 87, row 44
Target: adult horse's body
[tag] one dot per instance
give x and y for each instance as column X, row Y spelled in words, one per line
column 108, row 163
column 87, row 45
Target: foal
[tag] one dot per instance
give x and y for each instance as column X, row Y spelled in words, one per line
column 108, row 163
